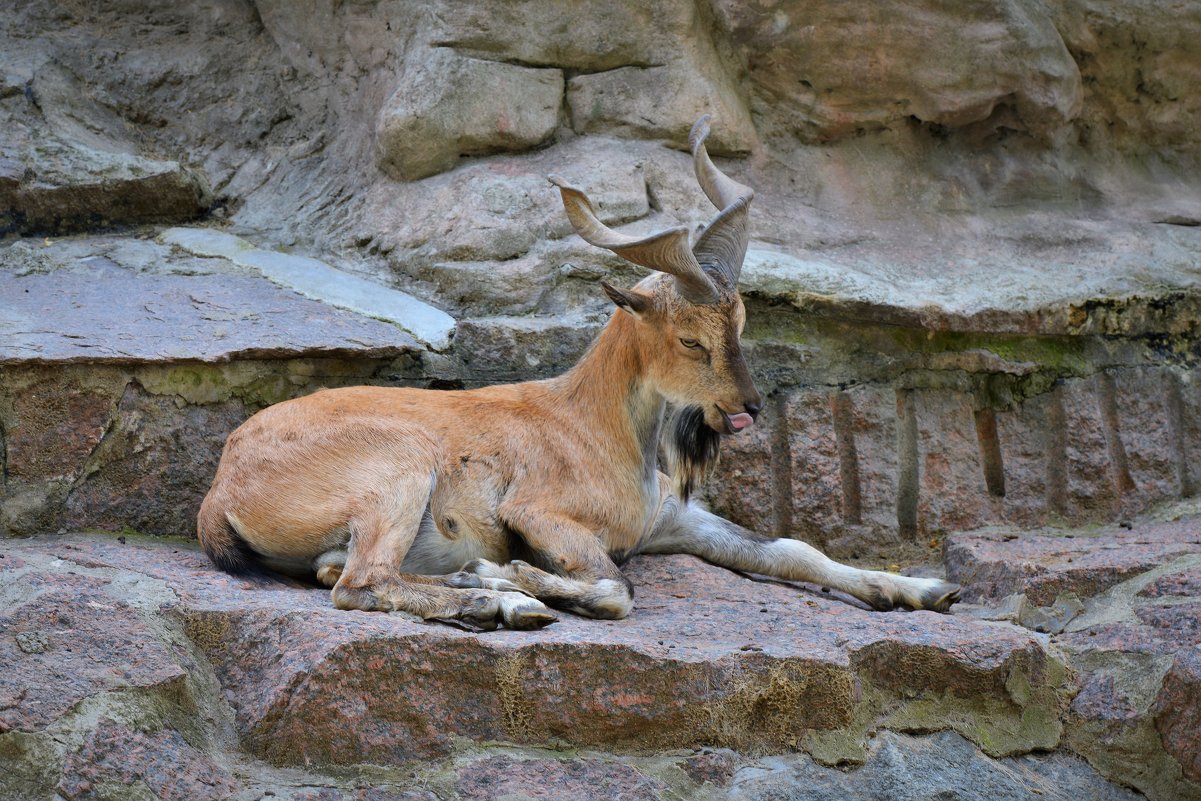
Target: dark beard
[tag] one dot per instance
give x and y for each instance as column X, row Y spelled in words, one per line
column 690, row 449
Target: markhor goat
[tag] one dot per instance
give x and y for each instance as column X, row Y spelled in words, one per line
column 488, row 506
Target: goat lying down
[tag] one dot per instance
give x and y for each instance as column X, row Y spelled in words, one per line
column 492, row 506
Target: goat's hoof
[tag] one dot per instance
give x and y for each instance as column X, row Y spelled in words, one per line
column 880, row 600
column 473, row 624
column 487, row 611
column 349, row 598
column 525, row 613
column 940, row 597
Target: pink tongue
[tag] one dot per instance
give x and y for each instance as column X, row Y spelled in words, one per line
column 741, row 421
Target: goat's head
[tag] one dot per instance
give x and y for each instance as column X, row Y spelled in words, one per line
column 689, row 317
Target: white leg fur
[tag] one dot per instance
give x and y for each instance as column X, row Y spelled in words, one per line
column 694, row 530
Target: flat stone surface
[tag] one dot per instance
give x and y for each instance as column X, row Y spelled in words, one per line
column 92, row 309
column 1102, row 285
column 137, row 664
column 992, row 564
column 747, row 664
column 317, row 280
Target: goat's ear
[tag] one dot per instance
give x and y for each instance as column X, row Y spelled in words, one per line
column 631, row 300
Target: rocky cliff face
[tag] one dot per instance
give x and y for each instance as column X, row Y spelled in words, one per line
column 366, row 125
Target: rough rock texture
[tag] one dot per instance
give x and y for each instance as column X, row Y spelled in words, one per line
column 449, row 106
column 69, row 163
column 119, row 350
column 135, row 663
column 951, row 65
column 994, row 563
column 1130, row 632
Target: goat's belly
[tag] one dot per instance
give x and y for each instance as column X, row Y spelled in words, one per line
column 433, row 553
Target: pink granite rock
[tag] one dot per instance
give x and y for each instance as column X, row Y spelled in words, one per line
column 1178, row 712
column 115, row 756
column 995, row 563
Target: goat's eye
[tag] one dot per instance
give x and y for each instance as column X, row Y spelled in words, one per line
column 689, row 343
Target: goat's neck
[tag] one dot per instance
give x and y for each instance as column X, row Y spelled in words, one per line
column 609, row 388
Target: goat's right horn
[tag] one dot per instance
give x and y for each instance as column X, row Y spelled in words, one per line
column 666, row 252
column 722, row 245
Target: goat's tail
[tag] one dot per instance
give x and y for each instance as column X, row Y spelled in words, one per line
column 224, row 545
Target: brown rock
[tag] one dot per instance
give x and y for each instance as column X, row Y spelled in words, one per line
column 603, row 37
column 583, row 779
column 1092, row 490
column 872, row 412
column 353, row 687
column 155, row 467
column 447, row 106
column 1185, row 582
column 89, row 643
column 115, row 756
column 827, row 72
column 1144, row 429
column 1025, row 438
column 993, row 564
column 1178, row 712
column 661, row 103
column 953, row 495
column 823, row 470
column 1143, row 86
column 586, row 684
column 55, row 428
column 711, row 767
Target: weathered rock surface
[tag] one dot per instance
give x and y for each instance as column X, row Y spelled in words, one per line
column 996, row 563
column 180, row 679
column 67, row 163
column 973, row 297
column 450, row 106
column 963, row 63
column 973, row 440
column 317, row 280
column 1132, row 643
column 932, row 433
column 63, row 305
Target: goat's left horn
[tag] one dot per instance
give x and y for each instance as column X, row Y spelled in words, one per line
column 666, row 251
column 722, row 245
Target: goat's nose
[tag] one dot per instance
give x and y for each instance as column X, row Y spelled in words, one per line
column 754, row 408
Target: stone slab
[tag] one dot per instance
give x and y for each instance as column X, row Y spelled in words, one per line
column 1116, row 281
column 180, row 680
column 994, row 563
column 745, row 664
column 95, row 311
column 317, row 280
column 1131, row 637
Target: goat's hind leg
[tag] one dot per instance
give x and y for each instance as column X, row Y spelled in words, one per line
column 693, row 530
column 371, row 578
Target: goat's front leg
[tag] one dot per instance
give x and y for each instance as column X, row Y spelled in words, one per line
column 693, row 530
column 573, row 571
